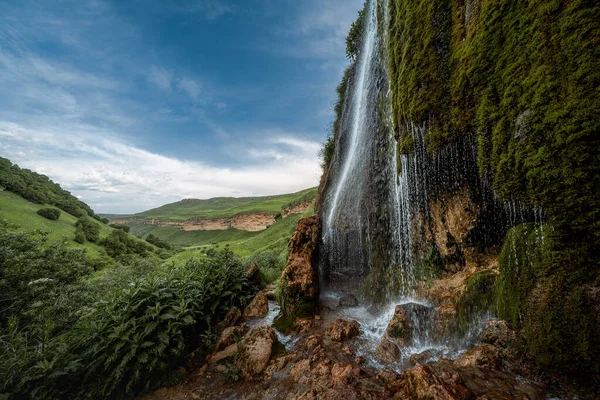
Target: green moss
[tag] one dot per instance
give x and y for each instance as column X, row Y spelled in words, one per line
column 284, row 322
column 477, row 298
column 557, row 316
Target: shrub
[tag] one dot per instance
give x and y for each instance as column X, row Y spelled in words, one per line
column 158, row 242
column 50, row 213
column 119, row 243
column 89, row 228
column 130, row 340
column 122, row 227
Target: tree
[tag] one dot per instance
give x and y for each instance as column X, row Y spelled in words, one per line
column 354, row 38
column 90, row 229
column 50, row 213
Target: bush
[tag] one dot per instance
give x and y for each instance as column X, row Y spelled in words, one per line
column 50, row 213
column 158, row 242
column 89, row 228
column 269, row 264
column 122, row 227
column 126, row 343
column 119, row 243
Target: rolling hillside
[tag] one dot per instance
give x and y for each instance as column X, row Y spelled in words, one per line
column 222, row 207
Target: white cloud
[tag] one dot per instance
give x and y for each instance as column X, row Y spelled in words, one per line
column 160, row 77
column 114, row 176
column 190, row 87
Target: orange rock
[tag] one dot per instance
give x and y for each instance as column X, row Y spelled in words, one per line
column 341, row 330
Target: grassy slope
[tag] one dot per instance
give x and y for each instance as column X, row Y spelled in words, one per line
column 190, row 238
column 275, row 239
column 23, row 213
column 224, row 207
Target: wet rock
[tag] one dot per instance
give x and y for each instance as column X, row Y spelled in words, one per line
column 387, row 376
column 234, row 315
column 299, row 369
column 401, row 326
column 230, row 335
column 387, row 351
column 256, row 350
column 421, row 382
column 251, row 271
column 497, row 333
column 300, row 289
column 486, row 356
column 341, row 330
column 348, row 300
column 341, row 374
column 258, row 307
column 225, row 354
column 269, row 291
column 444, row 319
column 420, row 358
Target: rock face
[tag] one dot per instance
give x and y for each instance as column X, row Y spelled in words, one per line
column 348, row 300
column 230, row 335
column 255, row 351
column 497, row 333
column 341, row 330
column 297, row 209
column 258, row 307
column 300, row 280
column 486, row 356
column 243, row 222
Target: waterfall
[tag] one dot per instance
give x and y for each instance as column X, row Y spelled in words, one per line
column 345, row 223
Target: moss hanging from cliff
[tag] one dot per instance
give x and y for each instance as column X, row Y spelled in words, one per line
column 558, row 318
column 419, row 58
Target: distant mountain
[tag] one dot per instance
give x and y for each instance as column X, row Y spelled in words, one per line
column 222, row 207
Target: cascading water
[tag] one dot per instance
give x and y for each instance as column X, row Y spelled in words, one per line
column 345, row 223
column 377, row 211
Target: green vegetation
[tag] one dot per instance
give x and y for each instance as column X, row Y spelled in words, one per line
column 22, row 213
column 40, row 189
column 69, row 332
column 52, row 214
column 354, row 38
column 519, row 79
column 478, row 298
column 87, row 229
column 223, row 207
column 158, row 242
column 558, row 317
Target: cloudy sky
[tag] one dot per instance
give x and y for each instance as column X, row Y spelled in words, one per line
column 131, row 104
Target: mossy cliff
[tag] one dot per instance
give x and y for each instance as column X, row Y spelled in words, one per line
column 519, row 80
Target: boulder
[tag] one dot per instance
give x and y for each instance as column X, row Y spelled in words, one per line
column 421, row 382
column 225, row 354
column 486, row 356
column 348, row 300
column 420, row 358
column 258, row 307
column 255, row 351
column 497, row 333
column 387, row 351
column 230, row 335
column 300, row 278
column 234, row 315
column 402, row 325
column 341, row 330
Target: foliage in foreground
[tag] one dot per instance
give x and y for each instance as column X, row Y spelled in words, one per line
column 109, row 334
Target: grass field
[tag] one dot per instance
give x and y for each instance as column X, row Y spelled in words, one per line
column 274, row 239
column 222, row 207
column 23, row 213
column 190, row 238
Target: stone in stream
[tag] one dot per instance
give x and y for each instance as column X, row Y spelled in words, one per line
column 409, row 323
column 256, row 350
column 348, row 300
column 259, row 306
column 341, row 330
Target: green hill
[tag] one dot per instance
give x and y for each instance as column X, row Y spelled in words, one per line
column 23, row 213
column 222, row 207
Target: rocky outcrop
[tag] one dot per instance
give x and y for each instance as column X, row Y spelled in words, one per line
column 300, row 279
column 230, row 335
column 258, row 307
column 341, row 330
column 243, row 222
column 255, row 351
column 297, row 209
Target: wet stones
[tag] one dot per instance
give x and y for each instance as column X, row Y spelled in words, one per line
column 255, row 351
column 341, row 330
column 348, row 300
column 497, row 333
column 230, row 335
column 259, row 306
column 486, row 356
column 387, row 351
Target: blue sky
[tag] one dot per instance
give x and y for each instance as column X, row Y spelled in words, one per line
column 131, row 104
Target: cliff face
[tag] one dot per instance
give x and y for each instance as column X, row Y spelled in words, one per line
column 478, row 162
